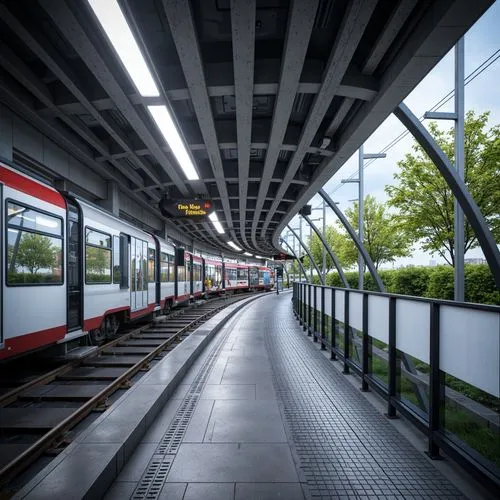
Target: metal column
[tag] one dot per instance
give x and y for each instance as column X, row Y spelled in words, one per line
column 361, row 205
column 460, row 166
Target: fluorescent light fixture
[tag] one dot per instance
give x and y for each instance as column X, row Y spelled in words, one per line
column 233, row 245
column 164, row 122
column 260, row 257
column 247, row 253
column 115, row 25
column 215, row 221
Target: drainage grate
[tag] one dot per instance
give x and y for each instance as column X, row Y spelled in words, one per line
column 154, row 477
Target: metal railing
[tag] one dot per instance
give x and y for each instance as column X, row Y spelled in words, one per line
column 452, row 343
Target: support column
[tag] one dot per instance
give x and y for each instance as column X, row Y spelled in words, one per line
column 460, row 166
column 112, row 202
column 6, row 133
column 361, row 205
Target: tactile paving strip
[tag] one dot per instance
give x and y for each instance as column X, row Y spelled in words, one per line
column 153, row 479
column 345, row 447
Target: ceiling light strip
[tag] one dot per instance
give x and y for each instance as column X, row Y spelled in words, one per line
column 112, row 20
column 215, row 221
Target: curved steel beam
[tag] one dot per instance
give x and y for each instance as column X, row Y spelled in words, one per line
column 329, row 250
column 457, row 186
column 308, row 254
column 296, row 258
column 352, row 233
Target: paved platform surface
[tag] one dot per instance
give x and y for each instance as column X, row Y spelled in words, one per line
column 262, row 414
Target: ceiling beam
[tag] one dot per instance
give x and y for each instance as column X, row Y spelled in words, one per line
column 353, row 26
column 300, row 24
column 75, row 35
column 354, row 85
column 41, row 48
column 243, row 43
column 182, row 28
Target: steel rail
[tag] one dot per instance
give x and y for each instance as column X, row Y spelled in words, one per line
column 22, row 461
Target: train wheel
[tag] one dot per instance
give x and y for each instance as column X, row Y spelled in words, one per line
column 112, row 324
column 98, row 335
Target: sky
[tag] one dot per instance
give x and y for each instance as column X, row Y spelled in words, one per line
column 482, row 94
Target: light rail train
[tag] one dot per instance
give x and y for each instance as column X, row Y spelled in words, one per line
column 70, row 269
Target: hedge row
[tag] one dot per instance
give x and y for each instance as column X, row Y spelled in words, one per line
column 433, row 282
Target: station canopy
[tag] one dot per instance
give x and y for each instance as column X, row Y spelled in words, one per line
column 250, row 104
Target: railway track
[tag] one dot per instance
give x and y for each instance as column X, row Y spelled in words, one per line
column 37, row 416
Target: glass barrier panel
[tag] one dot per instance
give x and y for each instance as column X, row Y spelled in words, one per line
column 413, row 327
column 472, row 416
column 470, row 346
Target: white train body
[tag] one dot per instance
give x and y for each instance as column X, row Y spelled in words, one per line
column 69, row 269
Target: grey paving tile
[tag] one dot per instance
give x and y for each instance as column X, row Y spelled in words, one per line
column 197, row 427
column 247, row 462
column 134, row 468
column 209, row 491
column 120, row 491
column 225, row 391
column 269, row 491
column 72, row 477
column 245, row 422
column 173, row 491
column 158, row 428
column 180, row 391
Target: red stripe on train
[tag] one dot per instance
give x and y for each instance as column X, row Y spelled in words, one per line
column 30, row 341
column 33, row 188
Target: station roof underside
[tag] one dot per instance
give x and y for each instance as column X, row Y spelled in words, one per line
column 272, row 97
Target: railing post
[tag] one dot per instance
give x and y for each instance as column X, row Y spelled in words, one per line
column 346, row 332
column 304, row 310
column 323, row 320
column 394, row 366
column 309, row 322
column 315, row 318
column 366, row 345
column 333, row 354
column 436, row 386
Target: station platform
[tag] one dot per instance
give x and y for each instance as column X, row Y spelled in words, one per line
column 261, row 413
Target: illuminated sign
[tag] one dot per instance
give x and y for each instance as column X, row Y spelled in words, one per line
column 185, row 208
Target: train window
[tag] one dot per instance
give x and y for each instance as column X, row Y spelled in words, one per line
column 231, row 274
column 144, row 265
column 152, row 264
column 117, row 278
column 34, row 247
column 163, row 267
column 171, row 268
column 33, row 220
column 242, row 274
column 196, row 271
column 181, row 273
column 97, row 257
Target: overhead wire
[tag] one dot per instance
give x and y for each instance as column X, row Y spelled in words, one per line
column 468, row 79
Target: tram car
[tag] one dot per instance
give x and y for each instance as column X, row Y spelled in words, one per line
column 70, row 269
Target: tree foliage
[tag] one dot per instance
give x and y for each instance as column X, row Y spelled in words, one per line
column 336, row 241
column 424, row 200
column 383, row 237
column 36, row 252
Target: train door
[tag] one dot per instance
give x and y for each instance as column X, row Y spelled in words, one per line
column 74, row 267
column 138, row 275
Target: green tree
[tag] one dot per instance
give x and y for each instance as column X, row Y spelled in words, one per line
column 339, row 244
column 97, row 260
column 424, row 200
column 36, row 252
column 383, row 236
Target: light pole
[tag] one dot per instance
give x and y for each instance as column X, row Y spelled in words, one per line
column 361, row 197
column 458, row 117
column 323, row 267
column 310, row 240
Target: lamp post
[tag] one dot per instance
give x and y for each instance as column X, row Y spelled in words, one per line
column 361, row 197
column 323, row 267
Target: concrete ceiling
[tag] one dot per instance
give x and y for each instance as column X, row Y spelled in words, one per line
column 255, row 85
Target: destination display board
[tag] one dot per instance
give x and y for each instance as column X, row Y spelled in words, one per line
column 185, row 208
